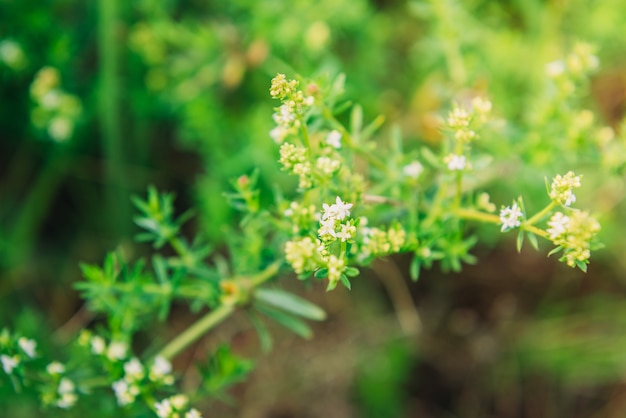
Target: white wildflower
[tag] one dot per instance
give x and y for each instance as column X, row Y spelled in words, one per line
column 339, row 210
column 179, row 401
column 161, row 370
column 28, row 346
column 413, row 170
column 334, row 139
column 125, row 392
column 558, row 226
column 327, row 165
column 278, row 134
column 117, row 350
column 555, row 68
column 66, row 386
column 9, row 363
column 455, row 162
column 133, row 369
column 510, row 217
column 97, row 345
column 55, row 368
column 193, row 413
column 11, row 54
column 561, row 190
column 327, row 229
column 347, row 232
column 164, row 408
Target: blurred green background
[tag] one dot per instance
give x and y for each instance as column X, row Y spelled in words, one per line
column 175, row 94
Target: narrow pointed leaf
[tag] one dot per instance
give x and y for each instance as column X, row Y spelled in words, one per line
column 415, row 269
column 290, row 303
column 520, row 241
column 346, row 281
column 533, row 240
column 265, row 338
column 292, row 324
column 555, row 250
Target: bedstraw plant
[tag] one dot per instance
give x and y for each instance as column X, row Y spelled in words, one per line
column 354, row 199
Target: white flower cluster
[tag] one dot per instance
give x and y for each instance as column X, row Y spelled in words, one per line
column 574, row 235
column 413, row 170
column 511, row 217
column 303, row 254
column 334, row 139
column 12, row 55
column 128, row 387
column 294, row 104
column 63, row 394
column 464, row 121
column 377, row 242
column 306, row 254
column 296, row 160
column 301, row 216
column 14, row 354
column 136, row 375
column 9, row 362
column 456, row 162
column 332, row 226
column 174, row 405
column 579, row 62
column 561, row 190
column 66, row 393
column 56, row 111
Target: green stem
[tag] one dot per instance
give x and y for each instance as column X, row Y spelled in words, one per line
column 184, row 292
column 351, row 144
column 459, row 189
column 435, row 209
column 305, row 135
column 195, row 331
column 34, row 209
column 109, row 107
column 539, row 215
column 210, row 320
column 179, row 246
column 477, row 216
column 534, row 230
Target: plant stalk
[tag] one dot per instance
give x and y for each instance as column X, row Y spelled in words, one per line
column 217, row 315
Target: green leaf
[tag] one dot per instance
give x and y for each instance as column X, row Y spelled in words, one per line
column 533, row 240
column 415, row 269
column 520, row 240
column 372, row 127
column 356, row 121
column 555, row 250
column 346, row 282
column 160, row 268
column 265, row 338
column 147, row 224
column 93, row 273
column 292, row 324
column 581, row 265
column 352, row 271
column 430, row 157
column 290, row 303
column 224, row 369
column 321, row 273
